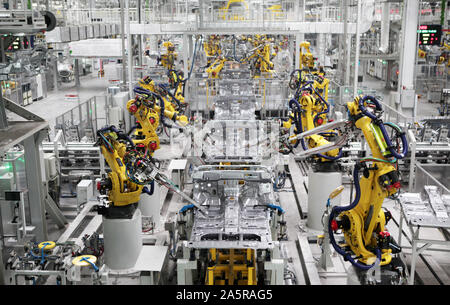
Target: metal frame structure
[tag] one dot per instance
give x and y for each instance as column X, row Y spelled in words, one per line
column 429, row 219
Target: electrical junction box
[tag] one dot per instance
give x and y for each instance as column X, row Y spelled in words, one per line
column 50, row 166
column 85, row 191
column 113, row 90
column 115, row 116
column 408, row 98
column 121, row 99
column 177, row 169
column 6, row 184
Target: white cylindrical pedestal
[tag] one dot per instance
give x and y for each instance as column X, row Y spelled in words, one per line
column 123, row 241
column 320, row 186
column 150, row 205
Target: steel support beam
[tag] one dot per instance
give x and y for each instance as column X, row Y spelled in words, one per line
column 55, row 72
column 357, row 49
column 298, row 40
column 348, row 40
column 140, row 37
column 385, row 29
column 408, row 52
column 122, row 36
column 129, row 48
column 34, row 184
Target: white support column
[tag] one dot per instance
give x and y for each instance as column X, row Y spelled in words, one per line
column 189, row 52
column 122, row 37
column 185, row 55
column 357, row 46
column 140, row 37
column 55, row 72
column 35, row 186
column 321, row 49
column 385, row 23
column 408, row 52
column 348, row 41
column 129, row 48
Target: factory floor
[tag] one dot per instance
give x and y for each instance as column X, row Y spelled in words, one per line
column 69, row 96
column 301, row 248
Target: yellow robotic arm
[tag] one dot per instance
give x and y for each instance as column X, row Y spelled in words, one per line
column 363, row 222
column 148, row 111
column 309, row 111
column 306, row 57
column 266, row 65
column 176, row 82
column 182, row 120
column 321, row 84
column 121, row 192
column 261, row 53
column 147, row 118
column 214, row 69
column 131, row 170
column 208, row 48
column 211, row 48
column 175, row 79
column 307, row 114
column 167, row 60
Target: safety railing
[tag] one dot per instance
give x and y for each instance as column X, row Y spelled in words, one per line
column 248, row 13
column 390, row 114
column 431, row 71
column 395, row 11
column 261, row 14
column 371, row 46
column 84, row 119
column 331, row 14
column 432, row 174
column 112, row 16
column 342, row 94
column 260, row 18
column 430, row 80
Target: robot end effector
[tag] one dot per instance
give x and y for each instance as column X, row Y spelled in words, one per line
column 366, row 106
column 340, row 141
